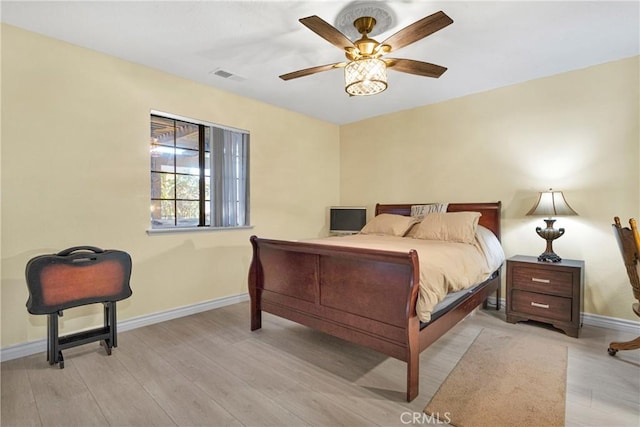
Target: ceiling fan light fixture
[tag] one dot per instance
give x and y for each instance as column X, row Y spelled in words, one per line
column 365, row 77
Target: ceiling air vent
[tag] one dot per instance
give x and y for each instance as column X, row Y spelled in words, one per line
column 227, row 75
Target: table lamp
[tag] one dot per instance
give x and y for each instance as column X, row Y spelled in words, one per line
column 550, row 203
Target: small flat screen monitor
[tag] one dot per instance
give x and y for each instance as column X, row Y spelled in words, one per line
column 347, row 219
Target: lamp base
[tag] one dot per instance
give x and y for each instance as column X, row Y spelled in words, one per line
column 549, row 257
column 549, row 234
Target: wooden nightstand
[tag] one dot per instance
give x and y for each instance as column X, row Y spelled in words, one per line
column 546, row 292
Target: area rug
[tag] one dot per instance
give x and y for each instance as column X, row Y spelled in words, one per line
column 504, row 380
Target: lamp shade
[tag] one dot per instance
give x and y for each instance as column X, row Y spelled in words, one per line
column 551, row 203
column 365, row 77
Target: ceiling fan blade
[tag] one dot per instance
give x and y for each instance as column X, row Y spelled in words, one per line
column 312, row 70
column 418, row 30
column 326, row 31
column 415, row 67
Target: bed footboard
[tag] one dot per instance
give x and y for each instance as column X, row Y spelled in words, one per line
column 364, row 296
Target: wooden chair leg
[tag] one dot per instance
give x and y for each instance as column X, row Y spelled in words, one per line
column 626, row 345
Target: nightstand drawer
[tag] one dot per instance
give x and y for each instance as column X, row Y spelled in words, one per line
column 541, row 305
column 543, row 280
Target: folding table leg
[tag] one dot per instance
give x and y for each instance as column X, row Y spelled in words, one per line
column 54, row 354
column 110, row 325
column 113, row 324
column 50, row 338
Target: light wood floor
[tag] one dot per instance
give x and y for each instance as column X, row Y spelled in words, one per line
column 210, row 370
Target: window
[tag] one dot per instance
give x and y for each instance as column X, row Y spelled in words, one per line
column 199, row 174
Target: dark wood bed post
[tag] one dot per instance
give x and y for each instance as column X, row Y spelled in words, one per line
column 413, row 333
column 254, row 274
column 413, row 358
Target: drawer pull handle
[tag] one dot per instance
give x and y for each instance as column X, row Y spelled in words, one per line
column 537, row 304
column 535, row 279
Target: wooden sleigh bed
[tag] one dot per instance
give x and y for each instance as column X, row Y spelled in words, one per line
column 363, row 296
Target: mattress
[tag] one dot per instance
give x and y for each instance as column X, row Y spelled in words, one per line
column 446, row 268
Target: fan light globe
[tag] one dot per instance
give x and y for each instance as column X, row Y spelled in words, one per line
column 365, row 77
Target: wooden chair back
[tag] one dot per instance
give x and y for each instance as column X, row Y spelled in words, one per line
column 629, row 242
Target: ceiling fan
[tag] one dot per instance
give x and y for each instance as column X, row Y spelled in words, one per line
column 365, row 70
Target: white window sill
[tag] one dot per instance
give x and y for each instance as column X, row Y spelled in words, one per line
column 195, row 229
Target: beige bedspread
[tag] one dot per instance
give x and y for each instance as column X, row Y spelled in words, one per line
column 444, row 266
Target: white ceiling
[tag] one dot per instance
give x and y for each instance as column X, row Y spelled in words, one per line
column 489, row 45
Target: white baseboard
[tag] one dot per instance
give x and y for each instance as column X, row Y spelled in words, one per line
column 621, row 325
column 40, row 346
column 589, row 319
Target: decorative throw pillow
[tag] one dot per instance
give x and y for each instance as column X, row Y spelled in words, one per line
column 420, row 211
column 389, row 225
column 450, row 227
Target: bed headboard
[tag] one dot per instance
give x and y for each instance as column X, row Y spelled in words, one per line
column 490, row 212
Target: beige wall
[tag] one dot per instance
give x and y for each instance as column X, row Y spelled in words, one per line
column 75, row 171
column 75, row 159
column 577, row 132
